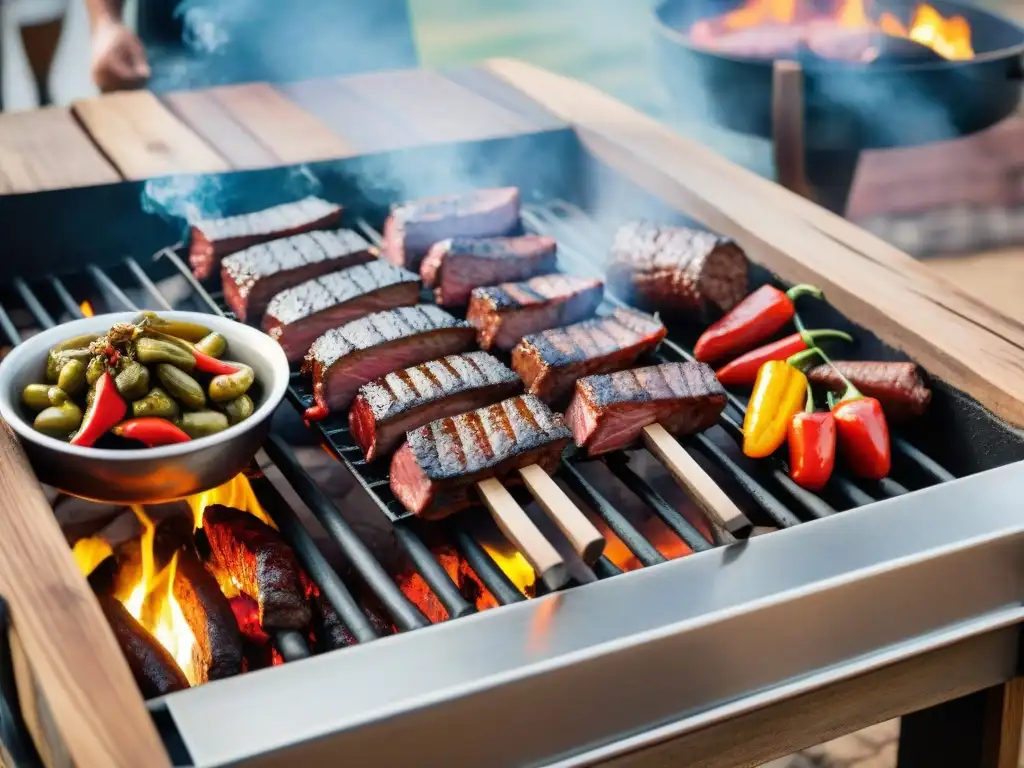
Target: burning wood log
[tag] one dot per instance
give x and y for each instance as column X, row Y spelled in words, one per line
column 153, row 667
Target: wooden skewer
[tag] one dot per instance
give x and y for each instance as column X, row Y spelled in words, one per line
column 586, row 540
column 520, row 530
column 696, row 482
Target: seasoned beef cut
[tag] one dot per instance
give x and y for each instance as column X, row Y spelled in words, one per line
column 213, row 239
column 454, row 267
column 433, row 474
column 551, row 361
column 345, row 358
column 414, row 227
column 503, row 314
column 677, row 270
column 152, row 665
column 297, row 316
column 385, row 409
column 252, row 278
column 609, row 411
column 899, row 387
column 261, row 564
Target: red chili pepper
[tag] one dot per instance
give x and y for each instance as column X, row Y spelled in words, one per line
column 208, row 364
column 743, row 370
column 754, row 320
column 107, row 409
column 863, row 435
column 151, row 431
column 315, row 412
column 812, row 446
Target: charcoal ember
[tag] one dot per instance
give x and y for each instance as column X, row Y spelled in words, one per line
column 152, row 666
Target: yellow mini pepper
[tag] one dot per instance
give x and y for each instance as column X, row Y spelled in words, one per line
column 779, row 394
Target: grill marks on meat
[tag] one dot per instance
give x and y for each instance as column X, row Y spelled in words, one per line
column 297, row 316
column 899, row 387
column 345, row 358
column 385, row 409
column 414, row 227
column 262, row 564
column 252, row 278
column 503, row 314
column 454, row 267
column 677, row 270
column 433, row 474
column 152, row 666
column 551, row 361
column 608, row 412
column 213, row 239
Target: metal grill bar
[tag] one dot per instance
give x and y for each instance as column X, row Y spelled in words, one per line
column 291, row 645
column 65, row 298
column 432, row 572
column 497, row 583
column 197, row 288
column 146, row 283
column 605, row 568
column 104, row 282
column 8, row 327
column 37, row 309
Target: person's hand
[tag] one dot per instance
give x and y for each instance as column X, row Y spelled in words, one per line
column 118, row 58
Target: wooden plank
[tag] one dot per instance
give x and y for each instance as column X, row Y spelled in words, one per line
column 496, row 90
column 994, row 277
column 205, row 114
column 47, row 149
column 80, row 701
column 143, row 139
column 954, row 335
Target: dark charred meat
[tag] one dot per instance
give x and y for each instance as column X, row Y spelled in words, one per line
column 454, row 267
column 345, row 358
column 505, row 313
column 414, row 227
column 608, row 412
column 213, row 239
column 152, row 666
column 297, row 316
column 261, row 564
column 433, row 474
column 253, row 277
column 550, row 362
column 899, row 387
column 385, row 409
column 677, row 270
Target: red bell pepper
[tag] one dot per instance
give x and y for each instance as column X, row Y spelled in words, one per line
column 107, row 409
column 743, row 370
column 812, row 446
column 863, row 435
column 754, row 320
column 209, row 364
column 151, row 431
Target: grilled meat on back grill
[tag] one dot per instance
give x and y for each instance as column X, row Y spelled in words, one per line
column 345, row 358
column 252, row 277
column 152, row 665
column 677, row 270
column 454, row 267
column 434, row 472
column 503, row 314
column 608, row 412
column 414, row 227
column 385, row 409
column 297, row 316
column 213, row 239
column 551, row 361
column 261, row 564
column 899, row 387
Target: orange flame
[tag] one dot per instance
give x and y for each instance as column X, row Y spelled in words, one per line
column 87, row 310
column 513, row 565
column 235, row 493
column 950, row 38
column 90, row 552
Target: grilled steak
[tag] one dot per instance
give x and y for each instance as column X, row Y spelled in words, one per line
column 608, row 412
column 152, row 666
column 505, row 313
column 899, row 387
column 252, row 278
column 551, row 361
column 345, row 358
column 454, row 267
column 297, row 316
column 433, row 474
column 414, row 227
column 677, row 270
column 261, row 563
column 385, row 409
column 214, row 239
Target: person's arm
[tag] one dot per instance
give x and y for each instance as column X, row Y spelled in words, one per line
column 118, row 57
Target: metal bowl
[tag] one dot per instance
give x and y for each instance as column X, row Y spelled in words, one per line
column 145, row 475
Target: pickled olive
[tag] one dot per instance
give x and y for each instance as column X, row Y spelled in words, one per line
column 229, row 386
column 55, row 361
column 72, row 376
column 133, row 381
column 157, row 403
column 239, row 409
column 181, row 386
column 202, row 423
column 36, row 396
column 177, row 328
column 149, row 350
column 59, row 420
column 56, row 396
column 94, row 370
column 213, row 345
column 75, row 342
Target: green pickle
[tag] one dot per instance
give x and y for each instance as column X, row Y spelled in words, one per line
column 56, row 360
column 181, row 386
column 229, row 386
column 203, row 423
column 58, row 396
column 213, row 345
column 239, row 409
column 157, row 403
column 133, row 381
column 36, row 396
column 94, row 370
column 150, row 350
column 72, row 376
column 59, row 420
column 188, row 331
